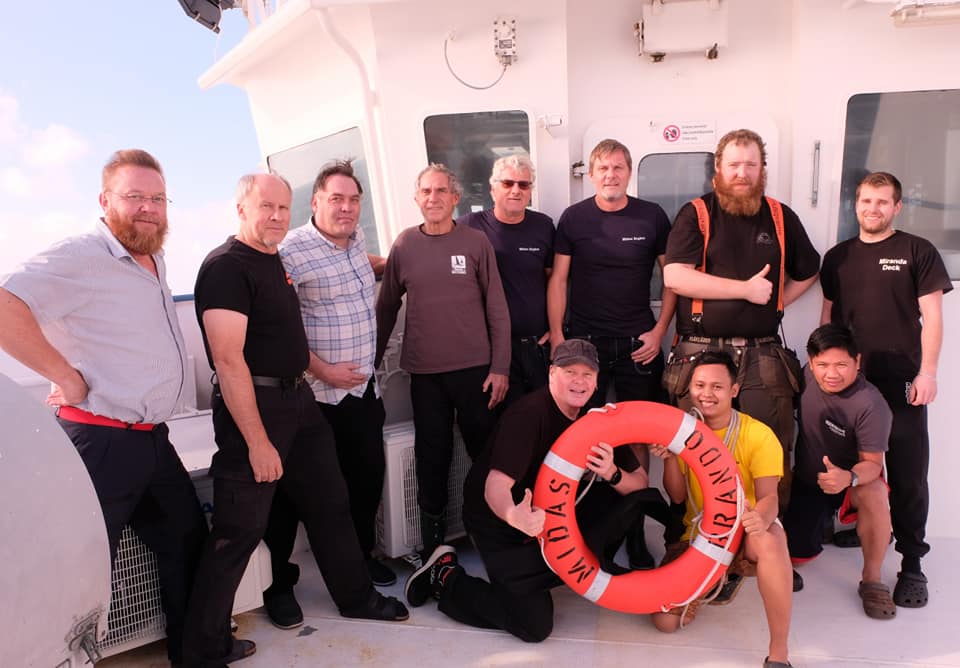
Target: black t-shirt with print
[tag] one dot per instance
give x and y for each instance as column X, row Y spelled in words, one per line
column 739, row 247
column 612, row 256
column 874, row 288
column 524, row 251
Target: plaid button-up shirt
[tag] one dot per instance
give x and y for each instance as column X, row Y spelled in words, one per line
column 336, row 290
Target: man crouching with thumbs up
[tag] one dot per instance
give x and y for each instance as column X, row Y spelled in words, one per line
column 844, row 429
column 759, row 457
column 499, row 515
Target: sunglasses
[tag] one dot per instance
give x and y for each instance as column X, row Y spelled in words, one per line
column 509, row 183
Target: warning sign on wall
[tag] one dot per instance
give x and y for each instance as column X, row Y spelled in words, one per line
column 689, row 133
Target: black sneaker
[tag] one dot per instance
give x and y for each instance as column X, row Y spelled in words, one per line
column 380, row 573
column 797, row 581
column 283, row 609
column 426, row 581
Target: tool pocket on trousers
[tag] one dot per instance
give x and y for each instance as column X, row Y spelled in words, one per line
column 677, row 373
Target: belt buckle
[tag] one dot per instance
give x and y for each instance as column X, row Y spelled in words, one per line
column 738, row 341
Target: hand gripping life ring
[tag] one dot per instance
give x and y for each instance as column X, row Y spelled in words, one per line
column 712, row 550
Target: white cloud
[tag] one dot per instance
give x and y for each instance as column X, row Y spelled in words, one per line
column 13, row 181
column 54, row 146
column 11, row 131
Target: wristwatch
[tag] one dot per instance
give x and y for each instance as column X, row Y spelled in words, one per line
column 616, row 477
column 854, row 479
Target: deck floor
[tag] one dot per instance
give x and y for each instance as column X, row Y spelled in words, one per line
column 829, row 628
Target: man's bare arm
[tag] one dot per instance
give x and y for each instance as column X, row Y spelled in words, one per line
column 226, row 333
column 685, row 280
column 22, row 339
column 557, row 298
column 793, row 289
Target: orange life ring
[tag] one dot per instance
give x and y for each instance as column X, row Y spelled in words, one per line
column 711, row 551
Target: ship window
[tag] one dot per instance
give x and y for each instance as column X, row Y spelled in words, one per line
column 671, row 180
column 916, row 137
column 300, row 165
column 470, row 143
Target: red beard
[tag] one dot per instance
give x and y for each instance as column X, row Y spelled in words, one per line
column 134, row 240
column 739, row 203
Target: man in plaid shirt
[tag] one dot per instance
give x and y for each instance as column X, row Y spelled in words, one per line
column 327, row 262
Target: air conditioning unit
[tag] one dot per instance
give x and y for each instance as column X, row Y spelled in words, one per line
column 136, row 617
column 398, row 521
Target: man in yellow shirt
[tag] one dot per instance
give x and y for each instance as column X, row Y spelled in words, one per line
column 759, row 459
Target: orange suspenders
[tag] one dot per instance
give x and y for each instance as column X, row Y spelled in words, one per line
column 703, row 219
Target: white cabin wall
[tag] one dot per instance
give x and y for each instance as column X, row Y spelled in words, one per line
column 608, row 78
column 415, row 83
column 839, row 53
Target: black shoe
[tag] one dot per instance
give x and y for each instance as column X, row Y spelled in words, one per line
column 797, row 582
column 380, row 573
column 381, row 608
column 427, row 580
column 240, row 649
column 283, row 609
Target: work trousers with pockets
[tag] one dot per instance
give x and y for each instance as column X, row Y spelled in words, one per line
column 437, row 399
column 140, row 481
column 312, row 482
column 766, row 394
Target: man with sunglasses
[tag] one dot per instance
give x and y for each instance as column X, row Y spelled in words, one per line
column 523, row 242
column 605, row 252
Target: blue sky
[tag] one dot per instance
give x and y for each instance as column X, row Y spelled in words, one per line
column 82, row 79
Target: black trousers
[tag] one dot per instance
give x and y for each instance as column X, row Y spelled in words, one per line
column 631, row 380
column 357, row 424
column 517, row 597
column 529, row 362
column 314, row 485
column 437, row 398
column 140, row 481
column 908, row 462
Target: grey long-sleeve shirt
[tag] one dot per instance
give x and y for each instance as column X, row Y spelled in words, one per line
column 456, row 315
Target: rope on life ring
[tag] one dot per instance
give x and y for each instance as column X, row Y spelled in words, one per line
column 711, row 551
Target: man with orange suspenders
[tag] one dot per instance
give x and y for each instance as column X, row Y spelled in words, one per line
column 736, row 259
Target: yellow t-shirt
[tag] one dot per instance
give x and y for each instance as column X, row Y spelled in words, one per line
column 758, row 454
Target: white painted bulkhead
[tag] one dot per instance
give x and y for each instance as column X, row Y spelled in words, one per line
column 791, row 66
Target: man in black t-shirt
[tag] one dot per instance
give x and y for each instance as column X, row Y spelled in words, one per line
column 269, row 431
column 887, row 286
column 605, row 252
column 523, row 242
column 729, row 297
column 501, row 520
column 844, row 427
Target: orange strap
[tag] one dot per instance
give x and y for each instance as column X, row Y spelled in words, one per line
column 703, row 220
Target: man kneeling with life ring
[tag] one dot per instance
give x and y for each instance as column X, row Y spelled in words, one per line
column 499, row 515
column 759, row 459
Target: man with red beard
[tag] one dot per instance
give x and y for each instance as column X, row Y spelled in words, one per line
column 730, row 292
column 94, row 315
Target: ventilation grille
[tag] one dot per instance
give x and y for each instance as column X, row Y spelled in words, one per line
column 398, row 521
column 135, row 615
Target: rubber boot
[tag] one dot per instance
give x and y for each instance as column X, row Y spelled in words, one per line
column 432, row 529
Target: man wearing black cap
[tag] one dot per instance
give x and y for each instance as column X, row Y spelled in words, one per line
column 499, row 515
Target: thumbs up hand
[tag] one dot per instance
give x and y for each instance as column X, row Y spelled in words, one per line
column 524, row 517
column 753, row 522
column 835, row 479
column 757, row 289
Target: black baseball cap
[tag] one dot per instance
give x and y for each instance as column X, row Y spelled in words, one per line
column 576, row 351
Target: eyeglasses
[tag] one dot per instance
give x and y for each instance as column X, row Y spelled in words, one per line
column 136, row 198
column 509, row 183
